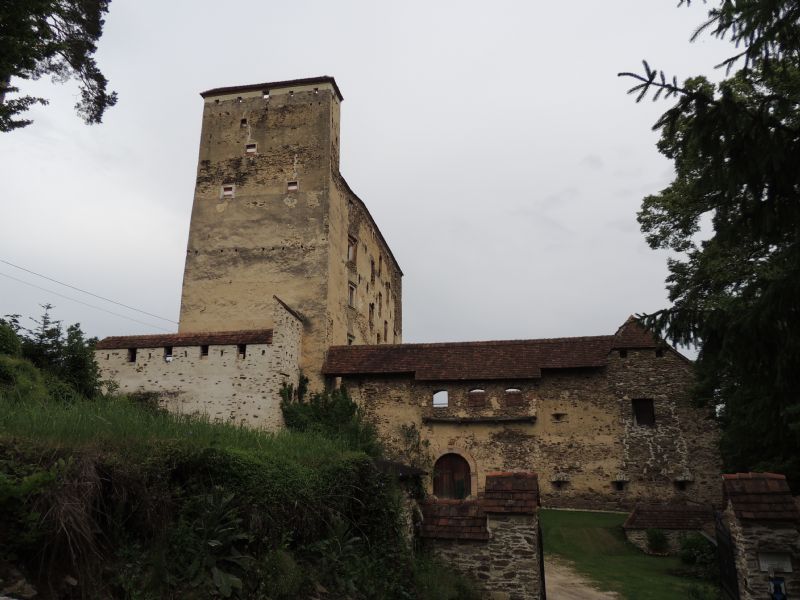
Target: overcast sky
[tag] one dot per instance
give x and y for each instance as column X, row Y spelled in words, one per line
column 493, row 143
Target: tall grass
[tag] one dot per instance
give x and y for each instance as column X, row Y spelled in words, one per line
column 119, row 422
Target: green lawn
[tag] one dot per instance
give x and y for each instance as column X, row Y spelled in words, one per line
column 596, row 545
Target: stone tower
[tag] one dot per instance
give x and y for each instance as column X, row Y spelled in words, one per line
column 272, row 216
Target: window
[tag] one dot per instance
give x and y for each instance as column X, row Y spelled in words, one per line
column 228, row 191
column 451, row 477
column 352, row 247
column 351, row 294
column 623, row 353
column 371, row 314
column 378, row 338
column 559, row 485
column 265, row 94
column 476, row 398
column 372, row 270
column 350, row 339
column 559, row 417
column 380, row 304
column 251, row 148
column 243, row 123
column 167, row 353
column 241, row 350
column 380, row 266
column 619, row 486
column 132, row 355
column 386, row 331
column 659, row 353
column 440, row 399
column 644, row 414
column 292, row 186
column 681, row 485
column 204, row 351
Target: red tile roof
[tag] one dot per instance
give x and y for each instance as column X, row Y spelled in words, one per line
column 669, row 516
column 211, row 338
column 632, row 335
column 454, row 519
column 511, row 493
column 515, row 359
column 273, row 85
column 760, row 497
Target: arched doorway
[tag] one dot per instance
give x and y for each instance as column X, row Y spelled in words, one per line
column 451, row 477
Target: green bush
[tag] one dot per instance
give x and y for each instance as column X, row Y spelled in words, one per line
column 20, row 381
column 657, row 541
column 699, row 554
column 9, row 341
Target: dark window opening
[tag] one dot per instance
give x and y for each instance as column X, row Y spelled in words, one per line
column 203, row 350
column 228, row 191
column 451, row 477
column 251, row 148
column 265, row 94
column 379, row 338
column 352, row 247
column 681, row 485
column 619, row 486
column 559, row 485
column 372, row 270
column 108, row 356
column 380, row 266
column 351, row 295
column 476, row 398
column 380, row 304
column 222, row 352
column 350, row 339
column 644, row 414
column 292, row 186
column 559, row 417
column 386, row 331
column 243, row 123
column 659, row 352
column 623, row 354
column 513, row 397
column 131, row 354
column 241, row 350
column 167, row 353
column 371, row 315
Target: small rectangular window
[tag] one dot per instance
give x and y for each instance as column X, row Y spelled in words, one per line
column 203, row 350
column 351, row 295
column 265, row 94
column 350, row 339
column 228, row 191
column 132, row 355
column 243, row 123
column 251, row 148
column 371, row 315
column 644, row 414
column 292, row 186
column 241, row 350
column 167, row 353
column 386, row 331
column 352, row 247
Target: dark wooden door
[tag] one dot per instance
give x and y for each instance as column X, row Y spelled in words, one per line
column 451, row 477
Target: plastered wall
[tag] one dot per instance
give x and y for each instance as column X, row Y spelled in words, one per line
column 582, row 438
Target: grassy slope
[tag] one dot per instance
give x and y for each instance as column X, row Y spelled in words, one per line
column 596, row 544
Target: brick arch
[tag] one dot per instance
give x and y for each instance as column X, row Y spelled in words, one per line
column 473, row 466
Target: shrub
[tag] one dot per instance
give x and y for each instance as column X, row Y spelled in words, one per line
column 20, row 381
column 9, row 341
column 657, row 541
column 700, row 554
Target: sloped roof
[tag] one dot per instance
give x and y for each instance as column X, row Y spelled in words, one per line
column 211, row 338
column 273, row 85
column 760, row 497
column 632, row 335
column 669, row 516
column 516, row 492
column 514, row 359
column 454, row 519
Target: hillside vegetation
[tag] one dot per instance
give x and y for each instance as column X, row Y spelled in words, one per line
column 104, row 496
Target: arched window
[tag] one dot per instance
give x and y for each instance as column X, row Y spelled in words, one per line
column 451, row 477
column 513, row 397
column 440, row 399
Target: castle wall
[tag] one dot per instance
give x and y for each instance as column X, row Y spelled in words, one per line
column 573, row 427
column 223, row 384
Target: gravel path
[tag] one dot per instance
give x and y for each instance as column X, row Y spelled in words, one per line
column 564, row 583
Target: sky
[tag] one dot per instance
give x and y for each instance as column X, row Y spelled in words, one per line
column 493, row 143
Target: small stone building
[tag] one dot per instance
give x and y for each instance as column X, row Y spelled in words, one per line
column 494, row 539
column 676, row 521
column 762, row 521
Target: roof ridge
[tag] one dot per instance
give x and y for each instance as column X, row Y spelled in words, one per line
column 584, row 338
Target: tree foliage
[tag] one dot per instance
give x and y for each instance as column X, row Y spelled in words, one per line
column 56, row 38
column 735, row 289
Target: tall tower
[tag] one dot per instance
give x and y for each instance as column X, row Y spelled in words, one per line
column 273, row 216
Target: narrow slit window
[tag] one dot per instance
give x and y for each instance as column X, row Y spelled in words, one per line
column 380, row 266
column 204, row 351
column 251, row 148
column 228, row 191
column 167, row 353
column 352, row 247
column 379, row 338
column 292, row 186
column 241, row 350
column 644, row 414
column 371, row 315
column 131, row 355
column 386, row 331
column 440, row 399
column 380, row 304
column 619, row 486
column 351, row 295
column 372, row 270
column 243, row 123
column 350, row 339
column 265, row 94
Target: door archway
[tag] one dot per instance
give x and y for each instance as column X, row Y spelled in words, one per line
column 451, row 477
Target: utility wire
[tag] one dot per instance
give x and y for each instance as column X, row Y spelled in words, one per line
column 84, row 303
column 144, row 312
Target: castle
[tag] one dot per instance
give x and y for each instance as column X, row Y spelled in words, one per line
column 288, row 273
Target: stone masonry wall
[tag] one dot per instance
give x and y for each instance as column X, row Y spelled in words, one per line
column 575, row 428
column 638, row 537
column 222, row 384
column 506, row 565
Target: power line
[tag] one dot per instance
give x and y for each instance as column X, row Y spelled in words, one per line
column 81, row 302
column 144, row 312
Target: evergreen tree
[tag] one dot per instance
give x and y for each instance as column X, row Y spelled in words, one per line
column 735, row 291
column 56, row 38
